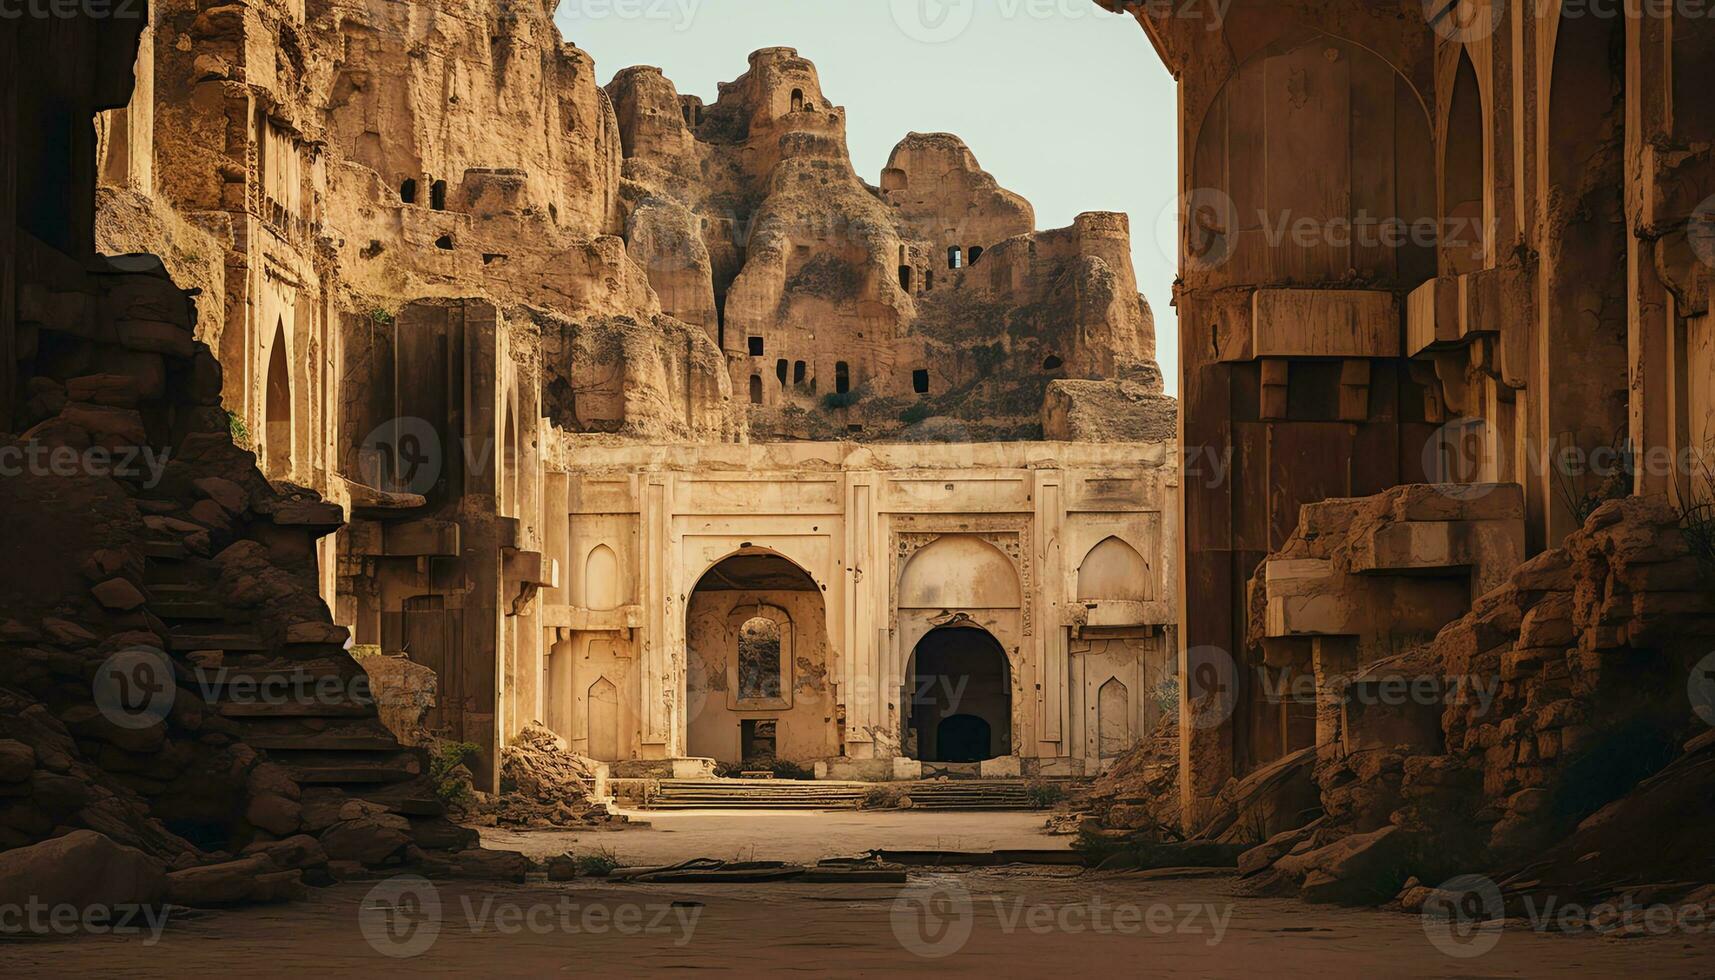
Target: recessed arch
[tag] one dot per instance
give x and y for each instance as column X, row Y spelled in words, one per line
column 601, row 718
column 1464, row 151
column 277, row 408
column 1113, row 719
column 1304, row 96
column 959, row 571
column 601, row 579
column 507, row 485
column 1113, row 569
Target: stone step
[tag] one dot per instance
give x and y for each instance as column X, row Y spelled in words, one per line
column 186, row 640
column 381, row 741
column 205, row 610
column 312, row 677
column 186, row 573
column 314, row 708
column 163, row 549
column 330, row 768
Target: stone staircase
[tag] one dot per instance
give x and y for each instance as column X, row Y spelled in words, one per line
column 307, row 705
column 782, row 794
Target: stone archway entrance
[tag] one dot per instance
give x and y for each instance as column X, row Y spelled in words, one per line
column 756, row 663
column 960, row 705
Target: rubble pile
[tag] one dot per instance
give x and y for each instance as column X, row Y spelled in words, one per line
column 176, row 691
column 1565, row 711
column 1140, row 791
column 542, row 784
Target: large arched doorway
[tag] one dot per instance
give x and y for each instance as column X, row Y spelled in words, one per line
column 960, row 706
column 756, row 669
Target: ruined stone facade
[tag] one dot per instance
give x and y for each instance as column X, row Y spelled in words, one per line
column 447, row 274
column 1029, row 570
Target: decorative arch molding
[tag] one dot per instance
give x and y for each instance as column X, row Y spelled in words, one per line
column 601, row 582
column 1010, row 535
column 692, row 581
column 1113, row 569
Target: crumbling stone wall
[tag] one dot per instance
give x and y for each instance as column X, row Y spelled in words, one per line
column 1560, row 692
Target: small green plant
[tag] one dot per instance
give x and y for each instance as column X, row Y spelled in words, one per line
column 446, row 758
column 1045, row 794
column 1167, row 696
column 598, row 863
column 881, row 798
column 1575, row 492
column 240, row 431
column 381, row 315
column 835, row 400
column 1697, row 513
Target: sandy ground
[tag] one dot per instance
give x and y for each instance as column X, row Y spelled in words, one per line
column 994, row 923
column 787, row 835
column 998, row 922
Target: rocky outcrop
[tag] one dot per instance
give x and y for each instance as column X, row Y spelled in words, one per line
column 848, row 310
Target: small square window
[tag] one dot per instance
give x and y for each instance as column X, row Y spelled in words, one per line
column 756, row 347
column 920, row 382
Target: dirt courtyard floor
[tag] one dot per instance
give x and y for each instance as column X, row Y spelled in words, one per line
column 995, row 922
column 788, row 835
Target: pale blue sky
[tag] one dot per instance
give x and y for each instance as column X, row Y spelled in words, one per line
column 1062, row 101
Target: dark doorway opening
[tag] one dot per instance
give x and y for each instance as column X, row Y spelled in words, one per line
column 963, row 738
column 756, row 739
column 960, row 700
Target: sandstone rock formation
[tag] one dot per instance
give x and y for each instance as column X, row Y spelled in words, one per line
column 850, row 309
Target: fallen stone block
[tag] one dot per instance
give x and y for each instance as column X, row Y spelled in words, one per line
column 82, row 869
column 477, row 865
column 217, row 885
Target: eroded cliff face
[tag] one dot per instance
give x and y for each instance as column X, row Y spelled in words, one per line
column 710, row 272
column 927, row 306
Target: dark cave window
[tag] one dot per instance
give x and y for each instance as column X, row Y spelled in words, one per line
column 438, row 195
column 756, row 389
column 797, row 100
column 756, row 347
column 799, row 371
column 780, row 367
column 1053, row 363
column 920, row 382
column 905, row 278
column 955, row 258
column 976, row 253
column 444, row 243
column 842, row 378
column 408, row 192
